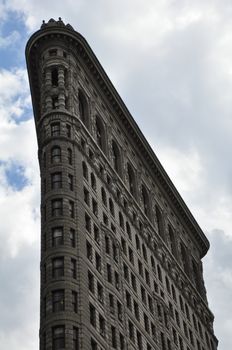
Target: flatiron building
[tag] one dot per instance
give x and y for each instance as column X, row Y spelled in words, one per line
column 120, row 251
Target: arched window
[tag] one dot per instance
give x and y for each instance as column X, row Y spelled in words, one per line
column 145, row 201
column 56, row 154
column 131, row 179
column 116, row 157
column 172, row 241
column 159, row 221
column 83, row 108
column 85, row 171
column 100, row 133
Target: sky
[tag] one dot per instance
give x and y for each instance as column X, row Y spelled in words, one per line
column 171, row 62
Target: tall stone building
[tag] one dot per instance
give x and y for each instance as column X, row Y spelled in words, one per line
column 120, row 251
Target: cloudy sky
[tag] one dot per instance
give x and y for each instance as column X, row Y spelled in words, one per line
column 171, row 62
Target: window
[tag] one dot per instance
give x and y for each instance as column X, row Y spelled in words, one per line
column 137, row 241
column 58, row 267
column 131, row 179
column 57, row 236
column 128, row 230
column 116, row 157
column 102, row 326
column 131, row 256
column 94, row 207
column 55, row 103
column 128, row 300
column 145, row 201
column 70, row 182
column 87, row 223
column 58, row 300
column 147, row 277
column 83, row 108
column 91, row 282
column 116, row 278
column 122, row 342
column 150, row 304
column 93, row 345
column 181, row 303
column 146, row 323
column 92, row 312
column 159, row 273
column 163, row 341
column 177, row 318
column 55, row 129
column 111, row 206
column 139, row 340
column 93, row 182
column 69, row 156
column 159, row 219
column 131, row 331
column 100, row 292
column 111, row 302
column 103, row 195
column 68, row 130
column 133, row 282
column 126, row 272
column 173, row 292
column 58, row 338
column 113, row 337
column 172, row 240
column 57, row 207
column 72, row 237
column 144, row 252
column 136, row 310
column 73, row 268
column 168, row 285
column 85, row 171
column 107, row 245
column 109, row 273
column 100, row 133
column 55, row 154
column 96, row 234
column 74, row 301
column 98, row 262
column 71, row 209
column 143, row 295
column 56, row 180
column 54, row 75
column 119, row 307
column 184, row 258
column 123, row 244
column 52, row 52
column 121, row 220
column 75, row 338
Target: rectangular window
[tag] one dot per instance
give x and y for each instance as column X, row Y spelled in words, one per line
column 57, row 207
column 111, row 302
column 98, row 262
column 131, row 256
column 70, row 182
column 100, row 292
column 89, row 251
column 72, row 237
column 71, row 209
column 73, row 268
column 87, row 223
column 109, row 273
column 57, row 236
column 75, row 338
column 113, row 337
column 74, row 301
column 128, row 300
column 68, row 130
column 102, row 326
column 119, row 307
column 96, row 234
column 91, row 282
column 136, row 310
column 92, row 312
column 131, row 331
column 58, row 267
column 133, row 282
column 86, row 196
column 122, row 342
column 58, row 338
column 55, row 129
column 116, row 279
column 58, row 300
column 95, row 207
column 139, row 341
column 146, row 323
column 56, row 180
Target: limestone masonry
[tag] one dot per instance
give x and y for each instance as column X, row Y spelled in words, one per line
column 120, row 251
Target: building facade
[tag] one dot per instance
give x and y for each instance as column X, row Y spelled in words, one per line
column 120, row 251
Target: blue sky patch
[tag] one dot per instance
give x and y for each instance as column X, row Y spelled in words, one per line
column 16, row 177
